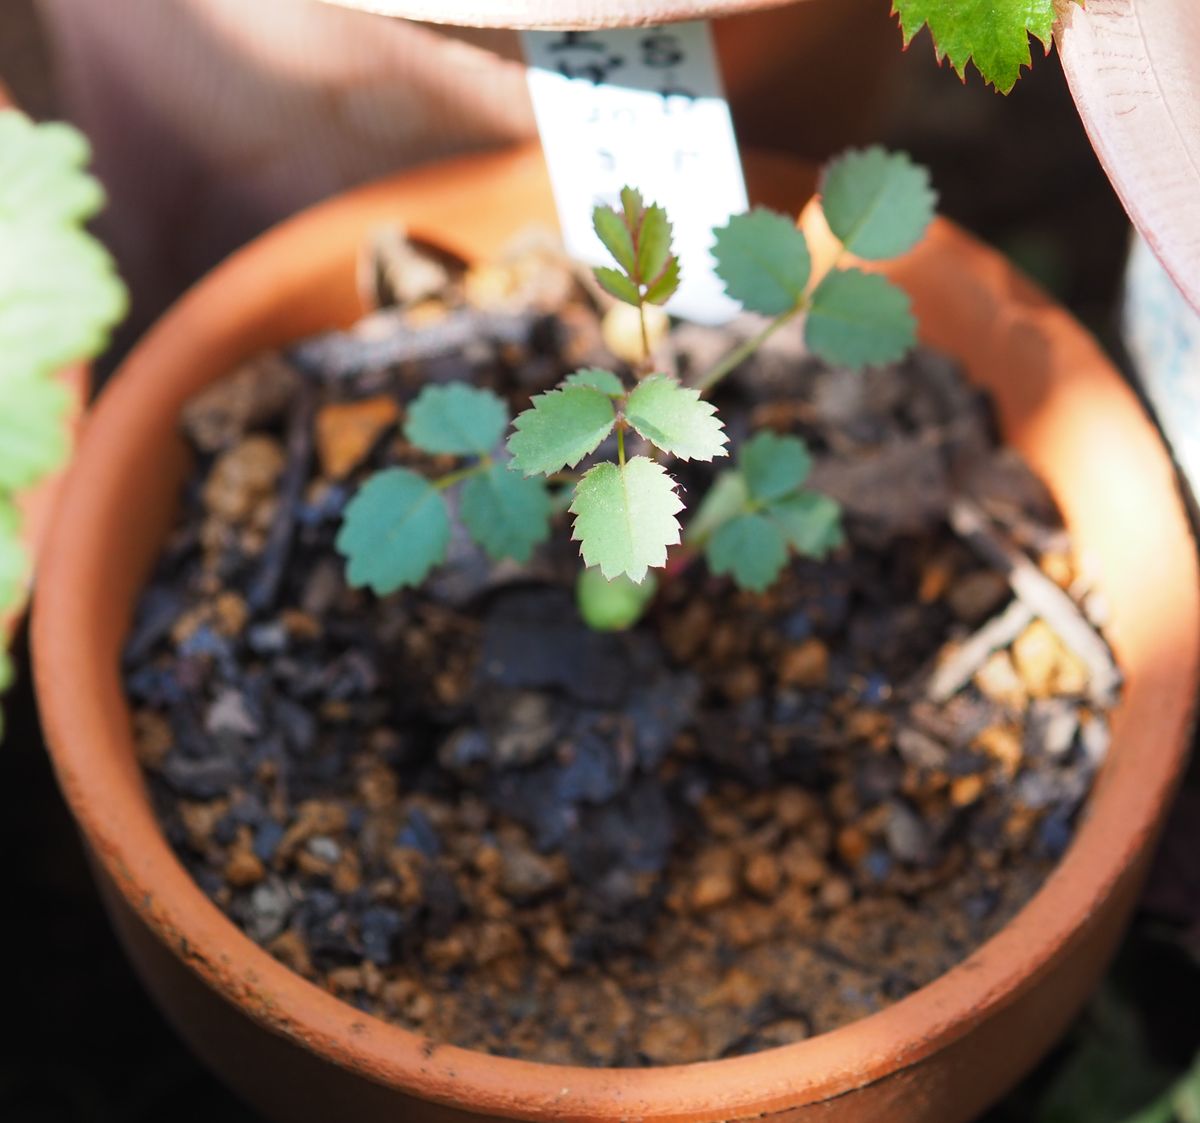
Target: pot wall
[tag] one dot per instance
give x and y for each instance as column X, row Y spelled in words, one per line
column 940, row 1055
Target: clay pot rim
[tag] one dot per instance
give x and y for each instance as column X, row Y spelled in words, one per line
column 558, row 15
column 105, row 795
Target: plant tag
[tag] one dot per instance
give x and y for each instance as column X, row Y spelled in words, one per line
column 641, row 107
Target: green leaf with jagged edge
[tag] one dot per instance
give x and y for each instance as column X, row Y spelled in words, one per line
column 507, row 514
column 59, row 296
column 625, row 517
column 33, row 428
column 603, row 380
column 612, row 606
column 676, row 419
column 615, row 283
column 878, row 203
column 811, row 522
column 456, row 419
column 560, row 428
column 750, row 548
column 42, row 177
column 774, row 465
column 856, row 319
column 14, row 564
column 764, row 261
column 727, row 498
column 395, row 530
column 993, row 34
column 639, row 239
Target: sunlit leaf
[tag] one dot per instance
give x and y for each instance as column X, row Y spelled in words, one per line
column 42, row 177
column 560, row 428
column 33, row 429
column 676, row 419
column 603, row 380
column 625, row 517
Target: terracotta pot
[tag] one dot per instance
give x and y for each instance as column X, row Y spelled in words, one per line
column 36, row 504
column 943, row 1053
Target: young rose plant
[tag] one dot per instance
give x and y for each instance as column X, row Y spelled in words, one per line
column 626, row 507
column 59, row 296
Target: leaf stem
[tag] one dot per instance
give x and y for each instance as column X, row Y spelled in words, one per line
column 647, row 361
column 621, row 442
column 740, row 354
column 460, row 474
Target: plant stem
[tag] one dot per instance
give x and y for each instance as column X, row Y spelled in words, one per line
column 621, row 442
column 460, row 474
column 739, row 355
column 646, row 363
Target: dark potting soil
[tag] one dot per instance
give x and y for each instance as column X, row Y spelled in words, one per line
column 749, row 820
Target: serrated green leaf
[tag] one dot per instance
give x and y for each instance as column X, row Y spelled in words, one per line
column 774, row 465
column 625, row 517
column 559, row 429
column 662, row 289
column 750, row 548
column 653, row 244
column 612, row 606
column 395, row 530
column 14, row 564
column 994, row 34
column 59, row 295
column 811, row 522
column 878, row 203
column 632, row 206
column 456, row 419
column 42, row 180
column 505, row 513
column 33, row 430
column 603, row 380
column 856, row 319
column 764, row 261
column 727, row 498
column 676, row 419
column 613, row 232
column 617, row 284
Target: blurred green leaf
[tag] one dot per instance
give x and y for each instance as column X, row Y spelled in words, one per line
column 507, row 514
column 857, row 319
column 33, row 428
column 878, row 203
column 750, row 548
column 42, row 176
column 456, row 419
column 612, row 606
column 811, row 522
column 774, row 465
column 764, row 261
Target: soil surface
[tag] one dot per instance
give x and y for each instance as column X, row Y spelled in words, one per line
column 747, row 821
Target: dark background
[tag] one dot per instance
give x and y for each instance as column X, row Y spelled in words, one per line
column 87, row 1047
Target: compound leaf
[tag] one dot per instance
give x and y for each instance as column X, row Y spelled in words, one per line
column 456, row 419
column 993, row 34
column 560, row 428
column 42, row 180
column 750, row 548
column 507, row 514
column 33, row 431
column 764, row 261
column 612, row 606
column 603, row 380
column 662, row 289
column 639, row 238
column 675, row 418
column 395, row 530
column 774, row 465
column 878, row 203
column 625, row 517
column 858, row 318
column 811, row 522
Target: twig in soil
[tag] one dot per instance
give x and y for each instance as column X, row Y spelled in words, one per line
column 299, row 448
column 959, row 668
column 1040, row 595
column 384, row 339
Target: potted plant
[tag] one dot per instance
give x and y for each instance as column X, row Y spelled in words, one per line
column 58, row 298
column 941, row 1053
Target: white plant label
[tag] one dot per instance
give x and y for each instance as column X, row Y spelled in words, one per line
column 641, row 107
